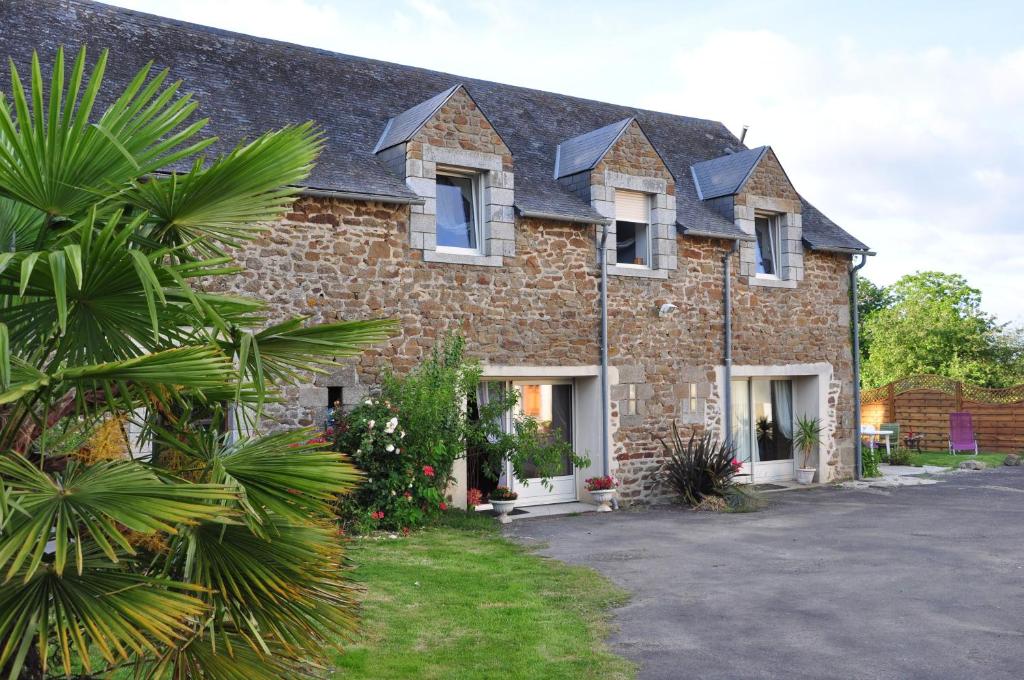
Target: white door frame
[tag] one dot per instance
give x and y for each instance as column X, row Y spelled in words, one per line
column 563, row 488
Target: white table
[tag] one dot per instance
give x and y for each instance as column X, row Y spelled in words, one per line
column 869, row 431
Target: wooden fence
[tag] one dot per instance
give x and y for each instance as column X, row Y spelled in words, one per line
column 922, row 403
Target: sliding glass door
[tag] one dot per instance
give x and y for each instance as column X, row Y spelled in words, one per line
column 762, row 428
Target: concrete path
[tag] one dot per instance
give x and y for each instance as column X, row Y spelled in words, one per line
column 903, row 583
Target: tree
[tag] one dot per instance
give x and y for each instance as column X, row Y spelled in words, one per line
column 218, row 559
column 932, row 322
column 870, row 299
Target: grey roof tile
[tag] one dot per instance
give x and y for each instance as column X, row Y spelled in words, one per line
column 248, row 85
column 725, row 175
column 584, row 151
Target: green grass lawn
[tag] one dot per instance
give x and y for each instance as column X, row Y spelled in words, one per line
column 945, row 459
column 459, row 602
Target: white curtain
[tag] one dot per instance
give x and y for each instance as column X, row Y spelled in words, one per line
column 485, row 391
column 782, row 407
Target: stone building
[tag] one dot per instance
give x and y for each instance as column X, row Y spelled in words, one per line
column 450, row 203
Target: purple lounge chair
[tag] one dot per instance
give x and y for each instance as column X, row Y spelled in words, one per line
column 961, row 433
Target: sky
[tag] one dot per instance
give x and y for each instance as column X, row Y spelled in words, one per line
column 899, row 120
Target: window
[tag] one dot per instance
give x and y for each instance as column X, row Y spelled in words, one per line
column 458, row 212
column 767, row 245
column 632, row 228
column 629, row 408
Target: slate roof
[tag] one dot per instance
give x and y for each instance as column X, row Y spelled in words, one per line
column 248, row 85
column 584, row 151
column 725, row 175
column 405, row 125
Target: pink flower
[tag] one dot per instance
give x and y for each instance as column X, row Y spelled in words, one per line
column 377, row 515
column 428, row 471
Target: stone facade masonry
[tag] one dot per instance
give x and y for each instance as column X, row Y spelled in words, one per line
column 335, row 259
column 460, row 137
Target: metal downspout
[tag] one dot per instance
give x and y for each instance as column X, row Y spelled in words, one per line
column 605, row 410
column 855, row 315
column 727, row 304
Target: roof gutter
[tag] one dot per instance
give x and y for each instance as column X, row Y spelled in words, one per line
column 540, row 215
column 844, row 251
column 354, row 196
column 858, row 463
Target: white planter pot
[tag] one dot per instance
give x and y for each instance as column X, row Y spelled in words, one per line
column 604, row 499
column 503, row 508
column 805, row 475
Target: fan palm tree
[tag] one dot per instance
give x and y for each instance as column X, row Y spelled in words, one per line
column 217, row 558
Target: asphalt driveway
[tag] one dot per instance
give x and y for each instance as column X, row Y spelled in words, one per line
column 915, row 582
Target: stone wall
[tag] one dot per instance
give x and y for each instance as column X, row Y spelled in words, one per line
column 342, row 259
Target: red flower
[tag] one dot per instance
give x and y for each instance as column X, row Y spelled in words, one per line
column 443, row 505
column 428, row 471
column 377, row 515
column 407, row 494
column 405, row 531
column 330, row 431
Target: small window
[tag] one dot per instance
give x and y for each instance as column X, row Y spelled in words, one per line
column 632, row 228
column 458, row 213
column 767, row 245
column 629, row 408
column 693, row 397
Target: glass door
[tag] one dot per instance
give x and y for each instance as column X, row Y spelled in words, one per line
column 762, row 428
column 551, row 404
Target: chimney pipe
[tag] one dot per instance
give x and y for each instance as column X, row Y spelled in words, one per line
column 743, row 135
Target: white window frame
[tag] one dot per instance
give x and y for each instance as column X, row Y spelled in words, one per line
column 774, row 242
column 649, row 245
column 476, row 179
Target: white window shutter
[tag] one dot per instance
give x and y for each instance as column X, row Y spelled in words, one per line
column 632, row 206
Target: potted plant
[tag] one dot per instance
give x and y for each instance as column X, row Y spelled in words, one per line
column 806, row 438
column 503, row 500
column 602, row 489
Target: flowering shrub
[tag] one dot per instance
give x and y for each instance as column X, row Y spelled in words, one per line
column 474, row 498
column 606, row 483
column 398, row 490
column 503, row 493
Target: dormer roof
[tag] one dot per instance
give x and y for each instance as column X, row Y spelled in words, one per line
column 585, row 151
column 726, row 175
column 404, row 126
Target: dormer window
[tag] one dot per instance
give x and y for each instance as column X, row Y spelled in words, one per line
column 632, row 229
column 767, row 246
column 458, row 212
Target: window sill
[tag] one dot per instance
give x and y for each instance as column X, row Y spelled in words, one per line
column 637, row 272
column 462, row 258
column 771, row 282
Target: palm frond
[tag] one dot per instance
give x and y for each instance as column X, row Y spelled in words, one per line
column 225, row 202
column 90, row 504
column 57, row 159
column 103, row 608
column 281, row 590
column 277, row 474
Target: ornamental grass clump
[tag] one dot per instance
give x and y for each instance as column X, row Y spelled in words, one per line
column 699, row 468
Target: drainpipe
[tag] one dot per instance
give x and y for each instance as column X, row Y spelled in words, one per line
column 605, row 410
column 855, row 315
column 727, row 305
